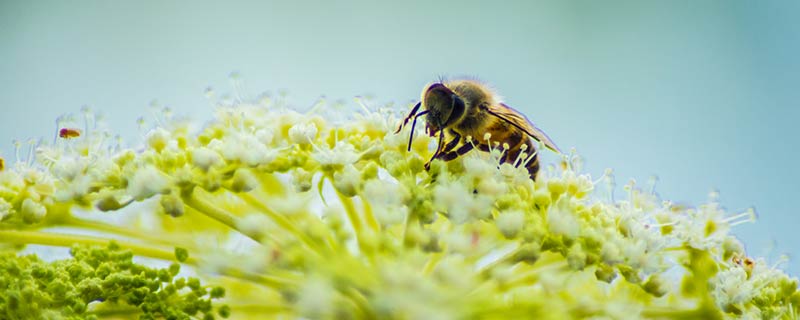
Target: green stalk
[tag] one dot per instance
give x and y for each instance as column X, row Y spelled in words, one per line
column 361, row 303
column 356, row 222
column 281, row 220
column 432, row 262
column 67, row 240
column 505, row 258
column 127, row 232
column 213, row 212
column 270, row 281
column 411, row 219
column 368, row 215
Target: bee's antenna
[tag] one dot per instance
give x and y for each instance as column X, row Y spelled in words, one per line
column 408, row 117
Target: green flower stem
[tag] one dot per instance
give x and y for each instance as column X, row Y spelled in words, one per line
column 499, row 261
column 260, row 310
column 271, row 281
column 356, row 222
column 115, row 311
column 522, row 277
column 361, row 303
column 368, row 215
column 281, row 220
column 411, row 220
column 432, row 262
column 67, row 240
column 671, row 313
column 532, row 276
column 435, row 258
column 127, row 232
column 201, row 205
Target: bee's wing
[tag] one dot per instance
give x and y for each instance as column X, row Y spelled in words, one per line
column 517, row 119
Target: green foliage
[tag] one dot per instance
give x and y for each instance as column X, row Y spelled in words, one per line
column 96, row 282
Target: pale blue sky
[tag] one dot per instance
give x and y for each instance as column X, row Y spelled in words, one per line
column 701, row 93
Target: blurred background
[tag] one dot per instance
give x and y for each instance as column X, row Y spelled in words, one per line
column 702, row 94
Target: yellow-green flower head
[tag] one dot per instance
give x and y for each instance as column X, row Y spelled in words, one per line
column 300, row 216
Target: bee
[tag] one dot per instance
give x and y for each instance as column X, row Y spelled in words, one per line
column 68, row 133
column 460, row 111
column 2, row 164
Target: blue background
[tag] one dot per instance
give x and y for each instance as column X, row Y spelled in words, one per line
column 701, row 93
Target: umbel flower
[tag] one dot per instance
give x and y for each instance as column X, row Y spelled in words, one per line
column 271, row 213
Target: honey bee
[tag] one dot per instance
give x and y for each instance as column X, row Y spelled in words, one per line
column 68, row 133
column 467, row 114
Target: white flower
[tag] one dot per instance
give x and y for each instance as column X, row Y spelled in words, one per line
column 158, row 138
column 516, row 175
column 264, row 136
column 491, row 187
column 243, row 180
column 245, row 148
column 610, row 252
column 5, row 209
column 510, row 223
column 69, row 167
column 147, row 182
column 303, row 133
column 708, row 226
column 480, row 206
column 340, row 155
column 32, row 211
column 316, row 298
column 453, row 198
column 255, row 223
column 479, row 167
column 290, row 204
column 205, row 158
column 387, row 199
column 561, row 221
column 77, row 188
column 731, row 287
column 172, row 205
column 348, row 181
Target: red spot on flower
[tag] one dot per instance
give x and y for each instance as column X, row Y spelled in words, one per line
column 475, row 238
column 69, row 133
column 275, row 254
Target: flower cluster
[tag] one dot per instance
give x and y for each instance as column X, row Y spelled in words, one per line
column 299, row 216
column 66, row 289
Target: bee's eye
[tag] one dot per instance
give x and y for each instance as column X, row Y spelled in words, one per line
column 457, row 107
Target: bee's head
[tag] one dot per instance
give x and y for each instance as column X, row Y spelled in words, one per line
column 444, row 106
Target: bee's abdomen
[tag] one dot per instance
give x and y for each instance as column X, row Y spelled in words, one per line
column 514, row 154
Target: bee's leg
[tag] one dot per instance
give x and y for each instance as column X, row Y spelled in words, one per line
column 447, row 149
column 467, row 147
column 408, row 117
column 453, row 143
column 438, row 149
column 447, row 154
